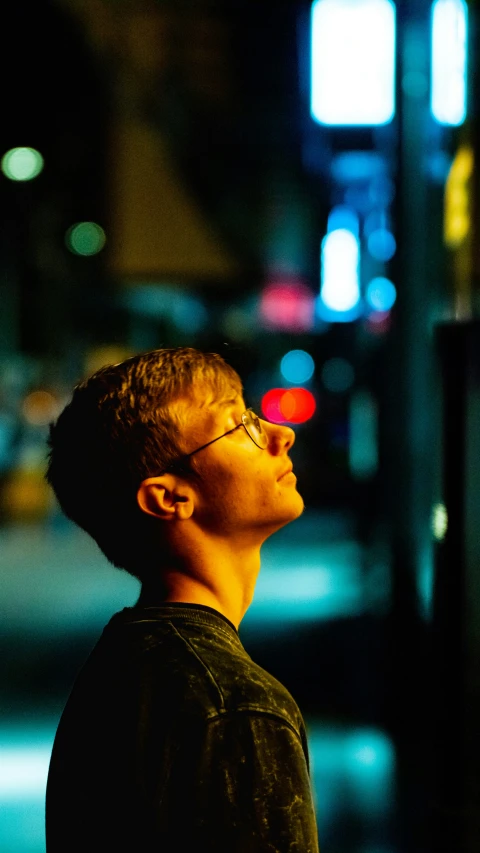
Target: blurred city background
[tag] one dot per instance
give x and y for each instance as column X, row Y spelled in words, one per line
column 295, row 186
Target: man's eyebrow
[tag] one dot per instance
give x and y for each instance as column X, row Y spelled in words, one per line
column 230, row 402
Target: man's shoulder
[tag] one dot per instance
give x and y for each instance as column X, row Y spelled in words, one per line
column 235, row 682
column 198, row 669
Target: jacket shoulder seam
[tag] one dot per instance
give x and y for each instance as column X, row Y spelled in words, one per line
column 158, row 640
column 202, row 662
column 255, row 711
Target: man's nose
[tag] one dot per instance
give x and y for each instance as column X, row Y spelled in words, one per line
column 280, row 438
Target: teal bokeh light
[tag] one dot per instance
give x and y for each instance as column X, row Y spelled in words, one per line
column 342, row 216
column 381, row 294
column 337, row 375
column 297, row 366
column 382, row 244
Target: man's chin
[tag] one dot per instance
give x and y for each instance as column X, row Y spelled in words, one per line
column 301, row 503
column 301, row 507
column 295, row 511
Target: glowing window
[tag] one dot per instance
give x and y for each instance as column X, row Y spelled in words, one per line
column 449, row 61
column 22, row 164
column 353, row 62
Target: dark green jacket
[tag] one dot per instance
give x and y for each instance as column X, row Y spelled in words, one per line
column 173, row 739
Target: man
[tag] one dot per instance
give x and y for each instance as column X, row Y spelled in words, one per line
column 173, row 739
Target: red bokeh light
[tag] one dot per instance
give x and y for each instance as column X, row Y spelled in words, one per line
column 271, row 405
column 288, row 405
column 379, row 322
column 288, row 305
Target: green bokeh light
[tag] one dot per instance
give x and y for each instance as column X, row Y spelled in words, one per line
column 22, row 164
column 439, row 521
column 85, row 238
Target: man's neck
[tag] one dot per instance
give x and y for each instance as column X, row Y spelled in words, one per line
column 224, row 581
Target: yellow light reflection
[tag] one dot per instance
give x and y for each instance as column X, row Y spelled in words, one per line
column 457, row 216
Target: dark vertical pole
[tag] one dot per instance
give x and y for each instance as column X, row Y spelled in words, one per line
column 473, row 111
column 456, row 636
column 409, row 442
column 456, row 617
column 472, row 594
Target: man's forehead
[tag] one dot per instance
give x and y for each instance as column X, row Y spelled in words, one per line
column 210, row 401
column 203, row 414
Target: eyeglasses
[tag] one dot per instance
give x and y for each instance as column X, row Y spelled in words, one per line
column 253, row 428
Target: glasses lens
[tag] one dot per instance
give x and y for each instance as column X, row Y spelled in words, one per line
column 254, row 427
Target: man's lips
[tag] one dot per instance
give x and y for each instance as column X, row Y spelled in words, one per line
column 287, row 471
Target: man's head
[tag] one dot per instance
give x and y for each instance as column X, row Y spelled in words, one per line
column 112, row 449
column 120, row 427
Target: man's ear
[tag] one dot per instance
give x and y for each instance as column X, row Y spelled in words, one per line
column 166, row 497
